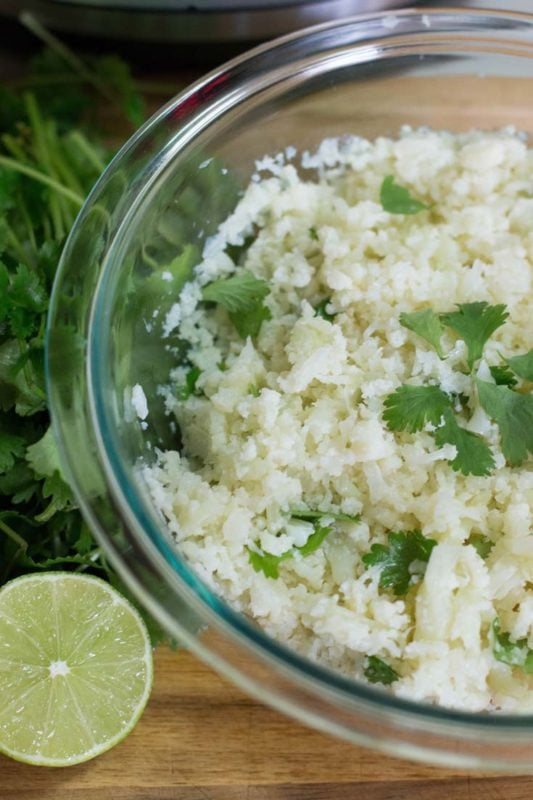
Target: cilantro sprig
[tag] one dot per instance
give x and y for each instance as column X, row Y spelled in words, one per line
column 411, row 408
column 405, row 555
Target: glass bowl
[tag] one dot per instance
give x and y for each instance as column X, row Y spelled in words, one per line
column 163, row 195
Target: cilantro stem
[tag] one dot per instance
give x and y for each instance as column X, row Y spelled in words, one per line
column 27, row 221
column 89, row 152
column 8, row 530
column 42, row 152
column 29, row 21
column 16, row 244
column 13, row 147
column 24, row 169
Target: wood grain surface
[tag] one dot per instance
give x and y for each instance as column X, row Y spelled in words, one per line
column 202, row 739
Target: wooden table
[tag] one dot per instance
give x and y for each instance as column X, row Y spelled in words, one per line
column 202, row 739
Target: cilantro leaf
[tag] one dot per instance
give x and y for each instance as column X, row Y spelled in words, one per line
column 27, row 290
column 426, row 324
column 239, row 293
column 170, row 279
column 409, row 408
column 397, row 557
column 189, row 387
column 516, row 654
column 242, row 296
column 309, row 516
column 11, row 448
column 522, row 365
column 474, row 456
column 503, row 376
column 397, row 199
column 267, row 563
column 475, row 323
column 320, row 310
column 314, row 541
column 43, row 456
column 377, row 671
column 313, row 234
column 513, row 413
column 248, row 323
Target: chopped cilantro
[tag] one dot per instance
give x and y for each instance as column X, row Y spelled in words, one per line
column 321, row 310
column 513, row 413
column 255, row 391
column 377, row 671
column 315, row 540
column 248, row 323
column 503, row 376
column 242, row 297
column 309, row 516
column 522, row 365
column 516, row 654
column 482, row 544
column 266, row 562
column 426, row 324
column 313, row 234
column 409, row 408
column 398, row 557
column 397, row 199
column 189, row 387
column 474, row 456
column 475, row 323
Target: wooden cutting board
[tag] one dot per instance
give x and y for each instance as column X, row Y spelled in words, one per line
column 202, row 739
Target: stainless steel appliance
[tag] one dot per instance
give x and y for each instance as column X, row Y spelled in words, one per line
column 189, row 20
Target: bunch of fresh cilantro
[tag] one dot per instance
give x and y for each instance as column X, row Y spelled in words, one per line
column 51, row 152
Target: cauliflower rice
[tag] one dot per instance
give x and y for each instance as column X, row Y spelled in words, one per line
column 293, row 418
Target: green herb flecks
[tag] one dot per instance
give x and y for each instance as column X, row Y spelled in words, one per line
column 397, row 199
column 397, row 558
column 321, row 310
column 481, row 543
column 189, row 387
column 378, row 671
column 516, row 654
column 267, row 563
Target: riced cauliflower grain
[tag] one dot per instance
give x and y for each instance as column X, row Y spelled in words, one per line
column 294, row 419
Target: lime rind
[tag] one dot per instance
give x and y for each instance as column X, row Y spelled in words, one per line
column 75, row 668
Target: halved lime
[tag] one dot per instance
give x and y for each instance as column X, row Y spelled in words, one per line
column 75, row 668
